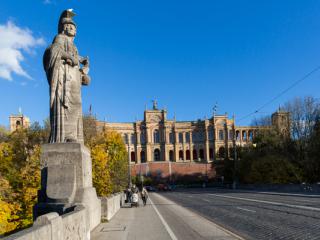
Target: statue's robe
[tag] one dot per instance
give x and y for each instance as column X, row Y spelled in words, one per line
column 65, row 91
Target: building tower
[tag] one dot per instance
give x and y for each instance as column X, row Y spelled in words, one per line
column 281, row 121
column 18, row 121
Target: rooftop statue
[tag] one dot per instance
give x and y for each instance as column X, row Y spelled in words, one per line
column 66, row 71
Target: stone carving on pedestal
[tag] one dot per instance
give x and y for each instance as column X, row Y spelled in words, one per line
column 66, row 166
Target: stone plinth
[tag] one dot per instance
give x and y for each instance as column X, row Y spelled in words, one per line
column 66, row 181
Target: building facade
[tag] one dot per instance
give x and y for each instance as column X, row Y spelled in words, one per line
column 158, row 139
column 18, row 121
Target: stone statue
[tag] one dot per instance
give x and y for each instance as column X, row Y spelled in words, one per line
column 66, row 165
column 66, row 71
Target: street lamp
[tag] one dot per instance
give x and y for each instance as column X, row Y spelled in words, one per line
column 234, row 184
column 129, row 167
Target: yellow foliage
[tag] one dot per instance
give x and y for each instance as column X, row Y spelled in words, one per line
column 109, row 161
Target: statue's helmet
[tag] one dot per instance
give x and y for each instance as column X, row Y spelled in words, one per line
column 66, row 18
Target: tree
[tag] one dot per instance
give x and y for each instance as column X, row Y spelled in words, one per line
column 89, row 129
column 110, row 164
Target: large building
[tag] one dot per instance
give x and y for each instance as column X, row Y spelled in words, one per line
column 157, row 138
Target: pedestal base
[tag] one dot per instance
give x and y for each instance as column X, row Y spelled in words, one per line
column 66, row 181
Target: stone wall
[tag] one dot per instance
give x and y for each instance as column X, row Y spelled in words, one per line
column 165, row 169
column 111, row 205
column 51, row 226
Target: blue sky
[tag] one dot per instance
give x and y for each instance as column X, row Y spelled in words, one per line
column 186, row 54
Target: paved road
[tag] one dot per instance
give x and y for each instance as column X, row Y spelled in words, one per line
column 160, row 219
column 255, row 215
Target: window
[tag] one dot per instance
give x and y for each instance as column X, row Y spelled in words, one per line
column 188, row 155
column 222, row 152
column 142, row 157
column 250, row 135
column 156, row 155
column 133, row 138
column 143, row 138
column 180, row 155
column 171, row 155
column 125, row 138
column 187, row 137
column 221, row 135
column 133, row 157
column 244, row 135
column 194, row 154
column 238, row 135
column 211, row 153
column 171, row 137
column 194, row 137
column 210, row 134
column 156, row 136
column 180, row 137
column 200, row 137
column 201, row 154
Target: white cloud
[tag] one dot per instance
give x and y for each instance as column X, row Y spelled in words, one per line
column 47, row 2
column 14, row 41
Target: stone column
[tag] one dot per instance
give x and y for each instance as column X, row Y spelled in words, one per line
column 207, row 155
column 176, row 146
column 138, row 146
column 149, row 156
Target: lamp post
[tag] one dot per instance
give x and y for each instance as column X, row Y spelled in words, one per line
column 129, row 165
column 234, row 184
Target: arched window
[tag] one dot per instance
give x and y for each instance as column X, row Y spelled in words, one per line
column 156, row 136
column 180, row 137
column 244, row 135
column 188, row 155
column 238, row 135
column 194, row 154
column 171, row 155
column 180, row 155
column 18, row 124
column 156, row 155
column 187, row 137
column 133, row 157
column 221, row 135
column 222, row 152
column 250, row 135
column 201, row 154
column 211, row 153
column 142, row 157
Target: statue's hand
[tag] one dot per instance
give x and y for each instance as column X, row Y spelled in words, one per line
column 84, row 61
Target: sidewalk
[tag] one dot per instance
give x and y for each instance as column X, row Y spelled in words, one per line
column 159, row 219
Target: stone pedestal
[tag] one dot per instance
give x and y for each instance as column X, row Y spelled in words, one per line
column 66, row 181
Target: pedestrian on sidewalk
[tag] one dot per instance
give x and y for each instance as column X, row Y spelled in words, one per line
column 144, row 196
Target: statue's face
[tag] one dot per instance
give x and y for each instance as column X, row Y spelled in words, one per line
column 70, row 30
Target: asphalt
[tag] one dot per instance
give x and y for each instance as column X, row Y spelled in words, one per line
column 160, row 219
column 255, row 215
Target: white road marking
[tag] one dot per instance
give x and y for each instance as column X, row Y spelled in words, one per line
column 165, row 224
column 248, row 210
column 268, row 202
column 291, row 194
column 206, row 200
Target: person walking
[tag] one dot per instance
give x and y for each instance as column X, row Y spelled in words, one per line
column 144, row 196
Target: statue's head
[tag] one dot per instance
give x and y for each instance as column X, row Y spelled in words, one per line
column 66, row 24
